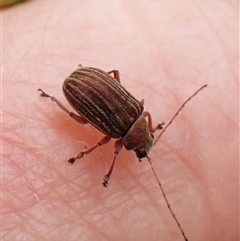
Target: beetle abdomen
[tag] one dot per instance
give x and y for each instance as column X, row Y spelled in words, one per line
column 102, row 101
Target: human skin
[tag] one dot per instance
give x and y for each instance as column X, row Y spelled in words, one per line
column 164, row 51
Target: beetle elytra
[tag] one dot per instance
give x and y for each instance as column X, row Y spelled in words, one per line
column 100, row 99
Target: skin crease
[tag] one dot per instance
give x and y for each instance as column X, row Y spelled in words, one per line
column 164, row 52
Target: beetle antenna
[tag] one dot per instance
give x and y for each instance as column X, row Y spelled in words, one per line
column 153, row 171
column 170, row 122
column 166, row 200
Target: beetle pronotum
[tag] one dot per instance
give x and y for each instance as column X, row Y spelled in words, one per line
column 102, row 101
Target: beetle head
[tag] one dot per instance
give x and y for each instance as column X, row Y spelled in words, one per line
column 138, row 138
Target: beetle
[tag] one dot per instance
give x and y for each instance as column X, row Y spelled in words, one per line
column 100, row 99
column 106, row 104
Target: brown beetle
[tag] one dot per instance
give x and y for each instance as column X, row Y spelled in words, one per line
column 106, row 104
column 102, row 101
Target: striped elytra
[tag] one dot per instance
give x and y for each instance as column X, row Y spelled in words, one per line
column 102, row 101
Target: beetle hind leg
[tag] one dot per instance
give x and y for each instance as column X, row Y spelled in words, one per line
column 116, row 74
column 77, row 118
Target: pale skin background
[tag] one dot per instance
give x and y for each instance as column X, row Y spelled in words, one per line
column 164, row 52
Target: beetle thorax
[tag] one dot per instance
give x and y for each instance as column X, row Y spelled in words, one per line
column 138, row 138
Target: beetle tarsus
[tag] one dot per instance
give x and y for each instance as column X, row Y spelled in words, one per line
column 71, row 160
column 105, row 184
column 160, row 126
column 105, row 181
column 43, row 94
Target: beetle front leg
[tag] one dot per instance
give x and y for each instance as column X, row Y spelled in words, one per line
column 150, row 127
column 71, row 114
column 118, row 146
column 81, row 154
column 158, row 127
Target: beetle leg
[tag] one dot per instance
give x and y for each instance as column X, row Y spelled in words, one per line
column 150, row 127
column 115, row 74
column 118, row 146
column 81, row 154
column 71, row 114
column 159, row 126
